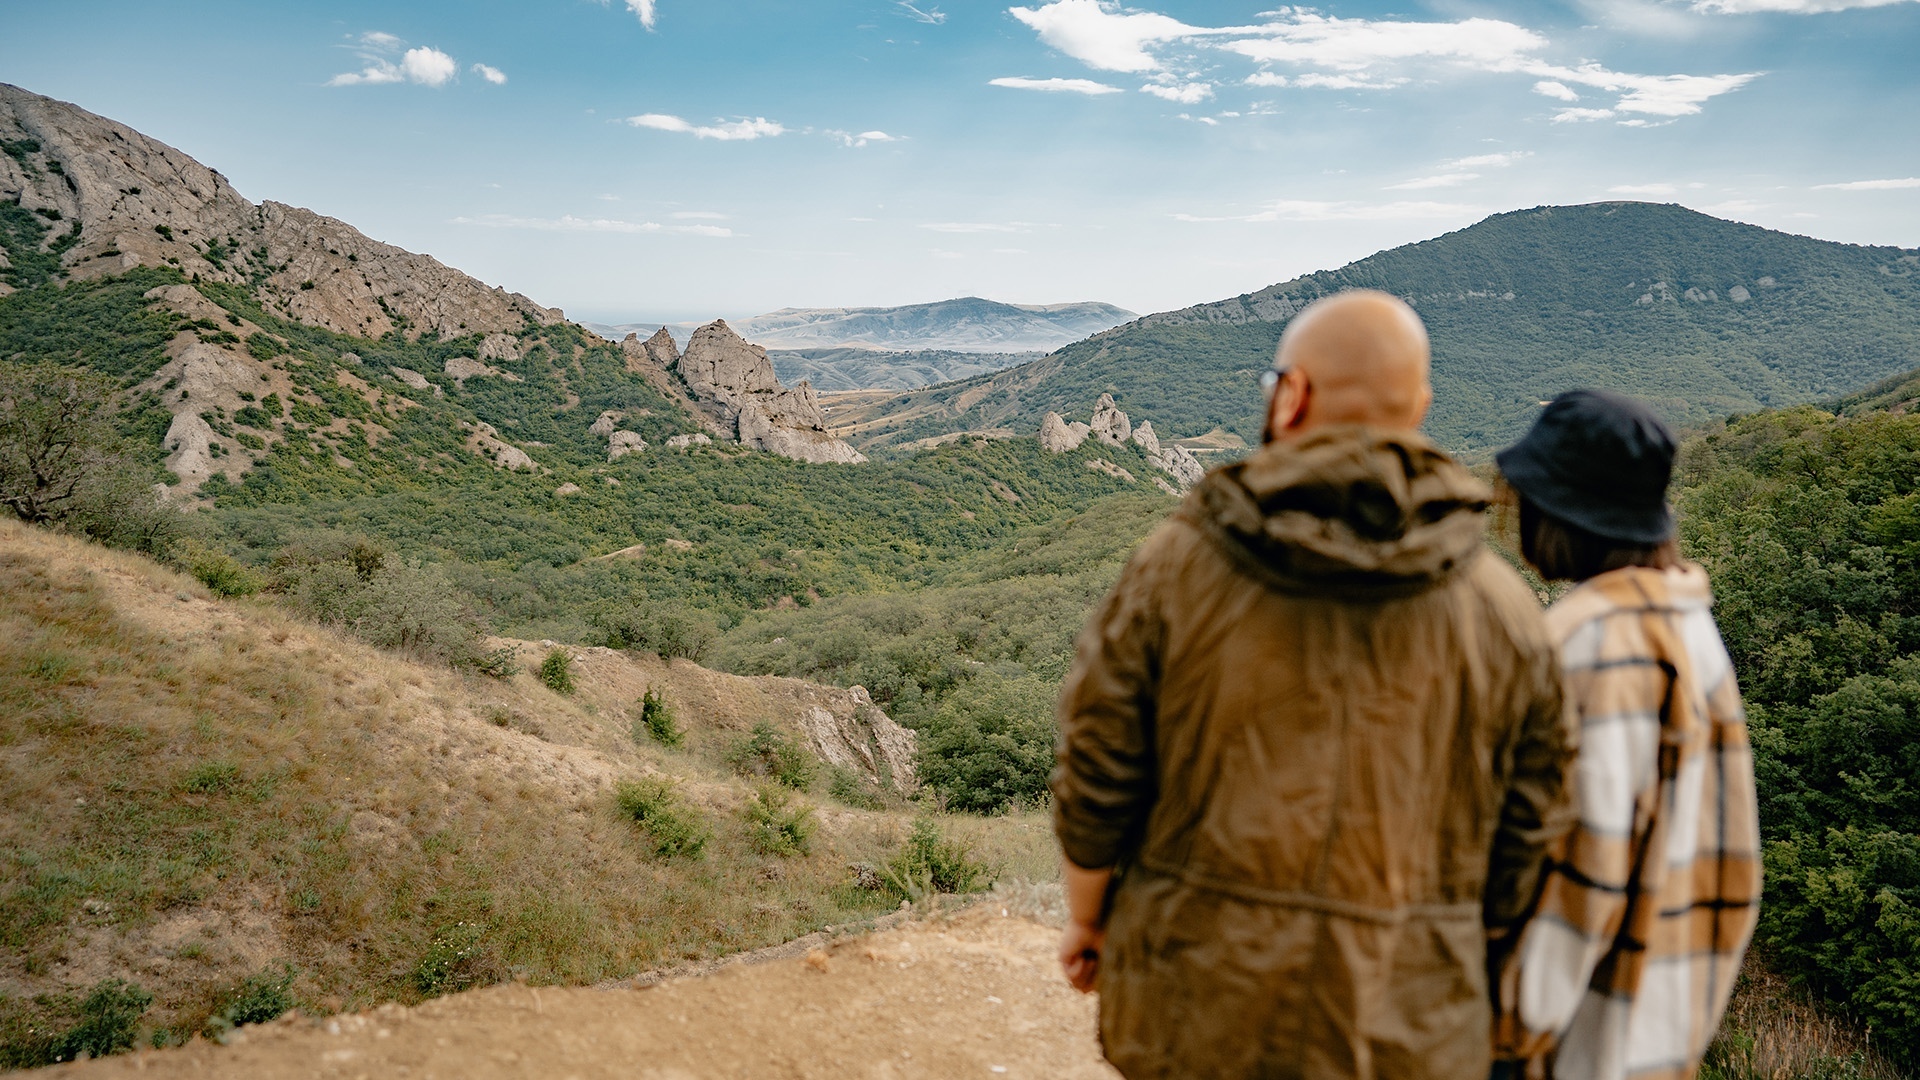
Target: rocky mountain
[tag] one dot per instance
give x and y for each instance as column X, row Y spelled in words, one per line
column 86, row 200
column 1701, row 316
column 116, row 199
column 965, row 325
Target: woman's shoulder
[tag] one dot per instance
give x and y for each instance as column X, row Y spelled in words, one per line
column 1629, row 590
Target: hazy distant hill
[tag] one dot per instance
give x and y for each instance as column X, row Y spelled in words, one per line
column 868, row 369
column 1704, row 317
column 968, row 324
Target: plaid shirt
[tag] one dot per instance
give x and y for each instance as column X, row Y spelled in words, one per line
column 1651, row 899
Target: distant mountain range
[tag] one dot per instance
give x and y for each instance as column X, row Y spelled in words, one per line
column 1703, row 317
column 965, row 325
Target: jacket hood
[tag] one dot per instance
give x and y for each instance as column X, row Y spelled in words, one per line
column 1345, row 509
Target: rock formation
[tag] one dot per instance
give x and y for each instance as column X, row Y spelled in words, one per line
column 1114, row 428
column 733, row 381
column 462, row 368
column 654, row 360
column 1109, row 424
column 1057, row 436
column 622, row 443
column 681, row 442
column 845, row 728
column 139, row 202
column 484, row 441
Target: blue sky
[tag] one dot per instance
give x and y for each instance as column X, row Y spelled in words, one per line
column 678, row 159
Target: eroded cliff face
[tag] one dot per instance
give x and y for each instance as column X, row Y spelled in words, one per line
column 136, row 201
column 732, row 380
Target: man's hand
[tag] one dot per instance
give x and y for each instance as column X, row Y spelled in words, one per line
column 1080, row 949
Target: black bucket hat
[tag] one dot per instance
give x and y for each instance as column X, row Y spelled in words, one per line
column 1600, row 461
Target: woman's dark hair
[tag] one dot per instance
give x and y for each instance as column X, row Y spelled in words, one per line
column 1563, row 551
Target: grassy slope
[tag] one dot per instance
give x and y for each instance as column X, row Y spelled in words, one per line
column 197, row 791
column 1836, row 317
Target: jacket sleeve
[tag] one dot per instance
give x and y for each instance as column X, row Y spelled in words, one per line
column 1583, row 898
column 1538, row 808
column 1104, row 777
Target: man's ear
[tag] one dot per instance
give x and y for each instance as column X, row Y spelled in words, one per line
column 1426, row 402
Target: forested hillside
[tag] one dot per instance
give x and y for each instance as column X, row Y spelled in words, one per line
column 1810, row 526
column 1702, row 317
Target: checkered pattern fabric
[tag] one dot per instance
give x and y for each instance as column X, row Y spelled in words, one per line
column 1631, row 955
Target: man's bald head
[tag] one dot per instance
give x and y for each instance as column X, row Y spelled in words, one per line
column 1358, row 357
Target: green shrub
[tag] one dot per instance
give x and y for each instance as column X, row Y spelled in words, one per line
column 770, row 752
column 671, row 630
column 655, row 805
column 928, row 863
column 990, row 743
column 556, row 671
column 458, row 958
column 854, row 789
column 656, row 721
column 501, row 663
column 258, row 999
column 775, row 824
column 106, row 1022
column 221, row 573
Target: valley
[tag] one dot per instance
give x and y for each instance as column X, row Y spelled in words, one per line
column 466, row 644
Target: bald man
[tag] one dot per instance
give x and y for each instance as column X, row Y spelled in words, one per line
column 1311, row 750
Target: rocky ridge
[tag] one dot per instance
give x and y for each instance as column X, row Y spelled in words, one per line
column 128, row 200
column 1113, row 427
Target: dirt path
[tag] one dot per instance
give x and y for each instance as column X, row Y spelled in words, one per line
column 977, row 995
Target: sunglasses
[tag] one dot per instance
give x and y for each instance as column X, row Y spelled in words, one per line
column 1271, row 377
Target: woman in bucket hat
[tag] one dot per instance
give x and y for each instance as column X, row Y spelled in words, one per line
column 1651, row 900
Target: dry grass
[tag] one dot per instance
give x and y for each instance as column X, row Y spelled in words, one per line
column 194, row 791
column 1772, row 1032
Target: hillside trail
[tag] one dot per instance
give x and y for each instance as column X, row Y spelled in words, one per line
column 977, row 994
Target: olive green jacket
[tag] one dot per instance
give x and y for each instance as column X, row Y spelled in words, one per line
column 1317, row 726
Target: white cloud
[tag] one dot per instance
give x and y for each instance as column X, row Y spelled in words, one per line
column 492, row 74
column 644, row 10
column 1643, row 189
column 1364, row 54
column 425, row 65
column 1794, row 7
column 970, row 227
column 932, row 16
column 853, row 139
column 429, row 66
column 569, row 223
column 1308, row 210
column 1488, row 161
column 1182, row 94
column 743, row 130
column 1207, row 120
column 1098, row 35
column 1068, row 86
column 1315, row 80
column 1442, row 180
column 1872, row 185
column 1357, row 44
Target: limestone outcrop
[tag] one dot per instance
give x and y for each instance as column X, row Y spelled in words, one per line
column 733, row 382
column 845, row 728
column 1112, row 426
column 138, row 202
column 622, row 443
column 485, row 441
column 655, row 359
column 1057, row 436
column 1109, row 424
column 462, row 368
column 682, row 442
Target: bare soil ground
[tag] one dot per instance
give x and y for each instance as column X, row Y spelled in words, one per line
column 978, row 994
